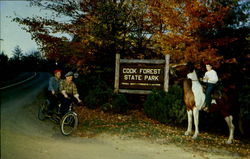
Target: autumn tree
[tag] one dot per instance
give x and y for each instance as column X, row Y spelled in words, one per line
column 186, row 29
column 236, row 27
column 93, row 33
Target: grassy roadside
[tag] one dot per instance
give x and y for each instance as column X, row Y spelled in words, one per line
column 136, row 125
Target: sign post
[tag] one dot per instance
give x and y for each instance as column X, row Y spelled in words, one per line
column 166, row 76
column 141, row 76
column 117, row 72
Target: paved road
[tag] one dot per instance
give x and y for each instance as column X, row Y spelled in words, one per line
column 23, row 136
column 19, row 78
column 26, row 91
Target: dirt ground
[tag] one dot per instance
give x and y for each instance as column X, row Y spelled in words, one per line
column 23, row 136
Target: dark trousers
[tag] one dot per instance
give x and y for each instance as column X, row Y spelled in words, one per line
column 53, row 99
column 209, row 90
column 65, row 103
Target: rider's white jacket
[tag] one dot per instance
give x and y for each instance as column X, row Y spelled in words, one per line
column 212, row 77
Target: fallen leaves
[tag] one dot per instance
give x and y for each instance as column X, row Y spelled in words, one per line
column 136, row 124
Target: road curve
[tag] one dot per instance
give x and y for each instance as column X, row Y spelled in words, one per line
column 17, row 81
column 23, row 136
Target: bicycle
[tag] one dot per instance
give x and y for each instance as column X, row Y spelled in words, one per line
column 69, row 121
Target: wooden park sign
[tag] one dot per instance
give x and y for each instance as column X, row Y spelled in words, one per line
column 137, row 76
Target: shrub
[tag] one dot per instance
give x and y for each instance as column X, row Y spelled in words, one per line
column 97, row 97
column 100, row 95
column 166, row 107
column 244, row 100
column 118, row 104
column 87, row 83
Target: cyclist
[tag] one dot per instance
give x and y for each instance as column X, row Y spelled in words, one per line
column 53, row 90
column 69, row 92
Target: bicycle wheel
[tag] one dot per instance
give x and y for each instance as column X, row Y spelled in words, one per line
column 69, row 123
column 42, row 110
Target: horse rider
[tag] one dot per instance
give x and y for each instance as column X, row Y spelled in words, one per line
column 210, row 78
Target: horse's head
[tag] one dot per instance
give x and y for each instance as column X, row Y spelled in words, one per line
column 190, row 67
column 177, row 72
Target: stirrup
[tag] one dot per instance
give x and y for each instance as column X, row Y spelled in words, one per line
column 213, row 101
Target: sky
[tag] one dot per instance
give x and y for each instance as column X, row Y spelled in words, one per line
column 11, row 33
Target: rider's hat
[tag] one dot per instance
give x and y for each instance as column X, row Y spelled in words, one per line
column 69, row 74
column 57, row 71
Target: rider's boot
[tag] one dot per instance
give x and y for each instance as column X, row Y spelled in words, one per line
column 206, row 109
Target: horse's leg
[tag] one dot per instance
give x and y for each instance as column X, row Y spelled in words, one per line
column 229, row 120
column 196, row 122
column 190, row 123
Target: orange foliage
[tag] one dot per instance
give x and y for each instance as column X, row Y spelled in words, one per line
column 183, row 24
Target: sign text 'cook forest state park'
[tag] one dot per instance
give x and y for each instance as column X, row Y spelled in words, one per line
column 142, row 76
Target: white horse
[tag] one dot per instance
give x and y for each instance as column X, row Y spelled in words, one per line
column 194, row 99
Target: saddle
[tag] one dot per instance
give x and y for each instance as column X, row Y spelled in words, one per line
column 217, row 93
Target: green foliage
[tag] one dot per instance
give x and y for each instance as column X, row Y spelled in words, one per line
column 101, row 95
column 166, row 107
column 118, row 104
column 97, row 97
column 244, row 99
column 239, row 13
column 86, row 83
column 20, row 62
column 17, row 53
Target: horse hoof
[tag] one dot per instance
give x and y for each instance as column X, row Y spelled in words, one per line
column 187, row 133
column 229, row 142
column 194, row 137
